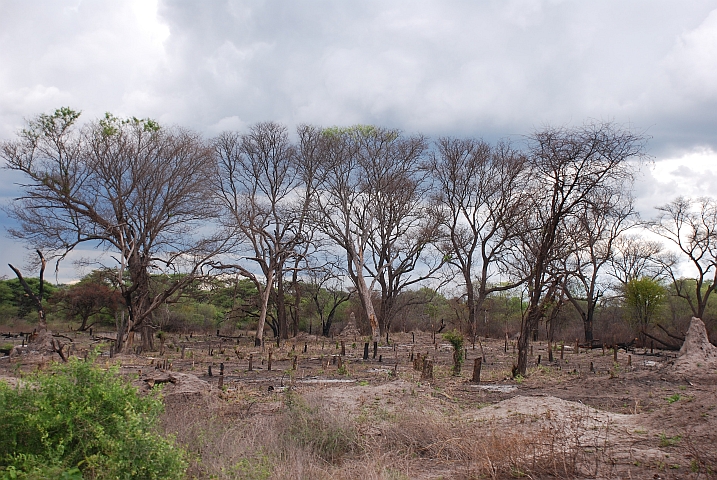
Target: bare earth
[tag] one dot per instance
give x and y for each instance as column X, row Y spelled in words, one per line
column 653, row 418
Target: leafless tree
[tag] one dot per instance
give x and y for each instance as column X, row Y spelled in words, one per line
column 691, row 225
column 310, row 152
column 568, row 168
column 599, row 222
column 130, row 186
column 636, row 257
column 367, row 205
column 256, row 184
column 35, row 297
column 478, row 198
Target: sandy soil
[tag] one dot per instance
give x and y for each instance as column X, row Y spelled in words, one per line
column 649, row 415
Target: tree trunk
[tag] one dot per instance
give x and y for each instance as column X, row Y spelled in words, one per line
column 281, row 307
column 530, row 323
column 258, row 341
column 588, row 324
column 297, row 306
column 367, row 303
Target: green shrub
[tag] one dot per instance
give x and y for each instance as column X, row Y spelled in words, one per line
column 79, row 418
column 455, row 338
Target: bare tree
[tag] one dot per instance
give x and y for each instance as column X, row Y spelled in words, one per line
column 310, row 151
column 256, row 184
column 636, row 257
column 128, row 185
column 599, row 222
column 35, row 297
column 568, row 168
column 478, row 198
column 360, row 207
column 691, row 225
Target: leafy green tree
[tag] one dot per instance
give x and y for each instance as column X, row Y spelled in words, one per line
column 644, row 298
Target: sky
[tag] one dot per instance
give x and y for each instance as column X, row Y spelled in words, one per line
column 490, row 69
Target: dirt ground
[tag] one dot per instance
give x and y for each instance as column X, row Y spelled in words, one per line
column 639, row 417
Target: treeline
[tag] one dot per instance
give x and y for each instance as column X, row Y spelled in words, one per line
column 365, row 214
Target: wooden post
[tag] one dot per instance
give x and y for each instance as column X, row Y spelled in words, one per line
column 614, row 353
column 306, row 347
column 531, row 350
column 380, row 358
column 375, row 349
column 592, row 367
column 413, row 337
column 562, row 350
column 268, row 364
column 652, row 346
column 251, row 362
column 365, row 351
column 577, row 346
column 427, row 371
column 343, row 348
column 539, row 359
column 603, row 349
column 412, row 352
column 221, row 368
column 477, row 363
column 210, row 370
column 629, row 360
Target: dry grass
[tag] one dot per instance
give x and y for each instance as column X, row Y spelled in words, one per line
column 302, row 437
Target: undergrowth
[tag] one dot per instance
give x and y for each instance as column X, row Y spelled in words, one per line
column 77, row 421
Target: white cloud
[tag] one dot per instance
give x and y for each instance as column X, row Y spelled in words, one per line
column 456, row 67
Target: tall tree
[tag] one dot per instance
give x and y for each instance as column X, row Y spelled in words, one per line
column 361, row 208
column 635, row 257
column 257, row 183
column 137, row 189
column 599, row 222
column 691, row 225
column 478, row 197
column 568, row 167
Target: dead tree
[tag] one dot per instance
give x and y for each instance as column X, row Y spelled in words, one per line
column 35, row 297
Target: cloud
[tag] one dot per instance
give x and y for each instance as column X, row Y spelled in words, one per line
column 489, row 69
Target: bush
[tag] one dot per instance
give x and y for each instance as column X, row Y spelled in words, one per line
column 456, row 339
column 79, row 421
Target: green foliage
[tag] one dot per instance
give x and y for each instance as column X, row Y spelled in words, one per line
column 13, row 300
column 456, row 339
column 644, row 297
column 78, row 416
column 55, row 124
column 111, row 125
column 258, row 467
column 666, row 441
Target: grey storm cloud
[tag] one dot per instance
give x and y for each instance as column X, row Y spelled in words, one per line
column 462, row 68
column 490, row 69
